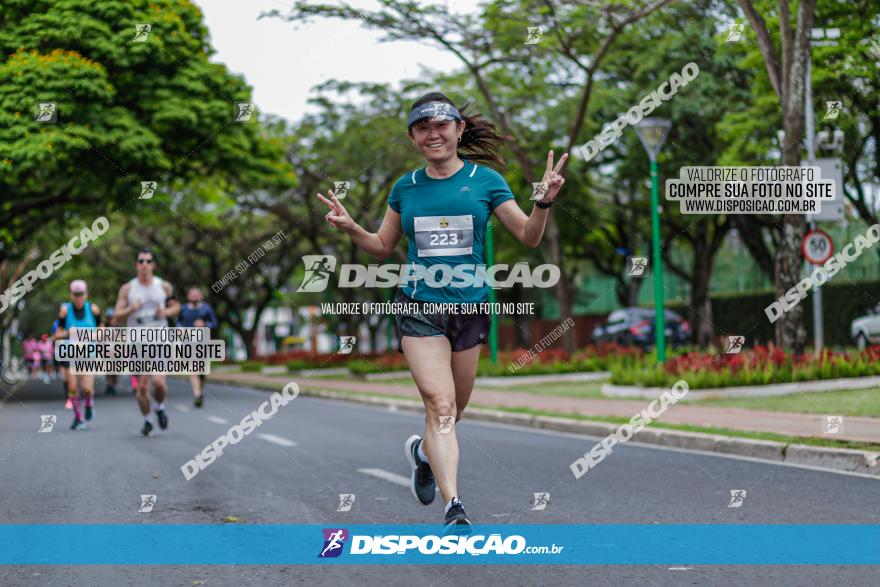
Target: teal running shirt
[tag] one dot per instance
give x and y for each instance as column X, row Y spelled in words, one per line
column 445, row 222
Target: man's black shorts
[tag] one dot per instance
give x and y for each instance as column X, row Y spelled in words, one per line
column 464, row 331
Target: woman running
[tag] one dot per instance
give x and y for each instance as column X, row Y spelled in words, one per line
column 79, row 313
column 443, row 209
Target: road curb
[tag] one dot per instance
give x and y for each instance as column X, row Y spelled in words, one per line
column 834, row 459
column 848, row 460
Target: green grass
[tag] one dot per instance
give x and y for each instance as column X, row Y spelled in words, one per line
column 330, row 377
column 395, row 381
column 864, row 402
column 357, row 394
column 583, row 389
column 858, row 402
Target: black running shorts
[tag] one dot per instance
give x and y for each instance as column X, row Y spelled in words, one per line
column 464, row 330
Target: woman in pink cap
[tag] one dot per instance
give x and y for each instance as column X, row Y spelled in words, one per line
column 78, row 313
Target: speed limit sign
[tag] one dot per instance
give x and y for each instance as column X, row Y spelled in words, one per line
column 817, row 247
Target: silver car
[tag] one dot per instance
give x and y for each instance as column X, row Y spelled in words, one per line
column 866, row 330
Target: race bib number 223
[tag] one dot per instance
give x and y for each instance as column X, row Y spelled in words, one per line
column 439, row 236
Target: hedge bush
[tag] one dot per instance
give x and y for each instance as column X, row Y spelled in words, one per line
column 361, row 367
column 251, row 366
column 379, row 364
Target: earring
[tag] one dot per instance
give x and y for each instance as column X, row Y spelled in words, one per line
column 459, row 138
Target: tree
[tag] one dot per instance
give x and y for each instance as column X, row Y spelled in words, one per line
column 10, row 272
column 857, row 56
column 788, row 79
column 694, row 140
column 131, row 106
column 846, row 72
column 682, row 33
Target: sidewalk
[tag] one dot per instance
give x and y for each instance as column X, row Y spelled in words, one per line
column 784, row 423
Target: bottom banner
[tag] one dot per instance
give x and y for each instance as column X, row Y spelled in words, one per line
column 601, row 544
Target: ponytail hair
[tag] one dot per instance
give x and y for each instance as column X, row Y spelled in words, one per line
column 480, row 142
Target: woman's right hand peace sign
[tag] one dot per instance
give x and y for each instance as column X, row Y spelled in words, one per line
column 338, row 216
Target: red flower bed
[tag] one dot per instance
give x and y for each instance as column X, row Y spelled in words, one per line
column 762, row 365
column 760, row 357
column 604, row 349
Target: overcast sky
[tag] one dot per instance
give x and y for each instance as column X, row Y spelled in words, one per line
column 282, row 63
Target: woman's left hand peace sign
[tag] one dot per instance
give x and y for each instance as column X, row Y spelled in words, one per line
column 552, row 181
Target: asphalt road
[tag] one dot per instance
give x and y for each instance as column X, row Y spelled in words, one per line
column 293, row 467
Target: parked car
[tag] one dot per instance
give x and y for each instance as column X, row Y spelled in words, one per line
column 635, row 327
column 865, row 330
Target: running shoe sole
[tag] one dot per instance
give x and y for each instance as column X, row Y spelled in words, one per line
column 457, row 521
column 458, row 527
column 163, row 419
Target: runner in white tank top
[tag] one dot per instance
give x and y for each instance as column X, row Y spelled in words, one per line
column 147, row 299
column 145, row 302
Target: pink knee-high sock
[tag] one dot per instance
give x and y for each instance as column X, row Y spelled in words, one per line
column 76, row 412
column 89, row 399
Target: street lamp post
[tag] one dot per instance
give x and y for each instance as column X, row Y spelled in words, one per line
column 652, row 133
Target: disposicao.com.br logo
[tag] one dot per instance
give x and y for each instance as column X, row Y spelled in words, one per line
column 429, row 544
column 321, row 268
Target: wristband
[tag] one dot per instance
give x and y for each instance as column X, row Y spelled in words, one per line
column 543, row 205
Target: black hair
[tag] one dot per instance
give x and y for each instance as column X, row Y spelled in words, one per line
column 479, row 141
column 147, row 251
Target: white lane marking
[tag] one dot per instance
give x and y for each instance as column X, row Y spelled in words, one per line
column 181, row 408
column 680, row 569
column 276, row 440
column 216, row 420
column 387, row 476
